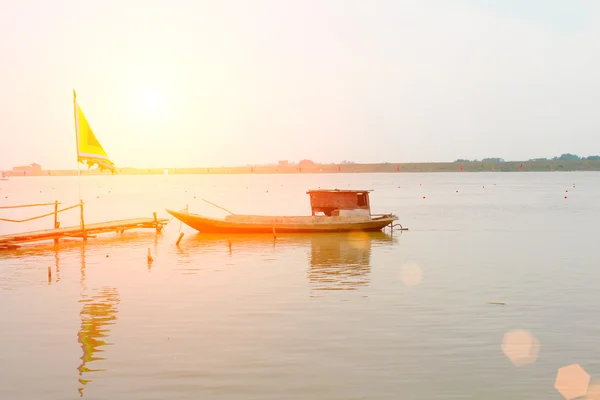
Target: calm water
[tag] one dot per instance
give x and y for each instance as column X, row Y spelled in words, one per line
column 351, row 316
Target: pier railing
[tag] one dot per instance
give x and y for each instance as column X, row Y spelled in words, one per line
column 13, row 241
column 53, row 213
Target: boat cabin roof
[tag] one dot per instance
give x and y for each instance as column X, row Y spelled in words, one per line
column 337, row 191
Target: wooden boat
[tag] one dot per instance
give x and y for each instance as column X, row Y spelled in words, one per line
column 332, row 211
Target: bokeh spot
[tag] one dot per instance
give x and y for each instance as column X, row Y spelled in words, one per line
column 572, row 381
column 593, row 392
column 411, row 274
column 520, row 347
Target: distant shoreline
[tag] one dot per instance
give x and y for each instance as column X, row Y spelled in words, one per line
column 471, row 166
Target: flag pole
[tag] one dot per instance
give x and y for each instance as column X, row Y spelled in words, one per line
column 77, row 142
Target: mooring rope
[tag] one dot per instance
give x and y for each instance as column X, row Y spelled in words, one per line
column 29, row 205
column 172, row 218
column 40, row 216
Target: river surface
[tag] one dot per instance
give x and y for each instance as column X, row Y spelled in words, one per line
column 330, row 316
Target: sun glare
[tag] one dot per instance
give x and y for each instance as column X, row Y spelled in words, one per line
column 147, row 104
column 151, row 102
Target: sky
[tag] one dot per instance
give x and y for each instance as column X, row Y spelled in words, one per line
column 192, row 83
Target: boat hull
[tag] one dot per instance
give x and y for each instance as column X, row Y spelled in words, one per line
column 261, row 224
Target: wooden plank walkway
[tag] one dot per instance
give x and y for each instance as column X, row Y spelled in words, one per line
column 12, row 240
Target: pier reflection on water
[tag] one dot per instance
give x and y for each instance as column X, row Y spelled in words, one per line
column 98, row 304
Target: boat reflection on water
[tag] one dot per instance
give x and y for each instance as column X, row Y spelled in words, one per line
column 337, row 261
column 343, row 262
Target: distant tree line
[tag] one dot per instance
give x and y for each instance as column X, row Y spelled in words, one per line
column 568, row 157
column 562, row 157
column 489, row 159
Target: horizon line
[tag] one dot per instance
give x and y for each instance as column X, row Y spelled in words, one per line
column 312, row 164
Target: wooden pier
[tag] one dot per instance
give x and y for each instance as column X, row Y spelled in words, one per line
column 83, row 231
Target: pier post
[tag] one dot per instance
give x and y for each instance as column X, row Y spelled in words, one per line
column 55, row 214
column 157, row 225
column 179, row 239
column 82, row 222
column 55, row 218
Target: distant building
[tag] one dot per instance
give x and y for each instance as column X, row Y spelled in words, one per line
column 32, row 169
column 306, row 163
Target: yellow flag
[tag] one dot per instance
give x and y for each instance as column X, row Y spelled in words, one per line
column 89, row 149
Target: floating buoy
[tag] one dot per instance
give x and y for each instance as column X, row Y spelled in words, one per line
column 565, row 197
column 457, row 191
column 566, row 191
column 423, row 196
column 483, row 187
